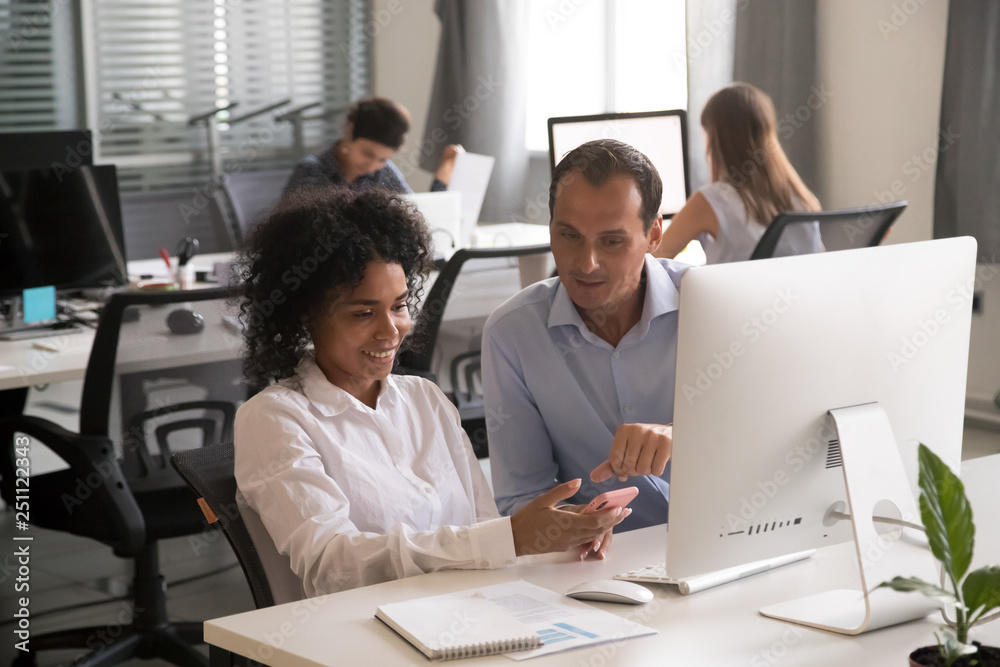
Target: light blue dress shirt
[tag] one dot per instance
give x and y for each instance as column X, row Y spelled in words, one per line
column 556, row 393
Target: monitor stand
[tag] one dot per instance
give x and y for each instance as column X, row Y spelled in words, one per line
column 873, row 473
column 18, row 329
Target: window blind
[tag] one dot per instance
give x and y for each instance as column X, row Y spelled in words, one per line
column 36, row 68
column 158, row 63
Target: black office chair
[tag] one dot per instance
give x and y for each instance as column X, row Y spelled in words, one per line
column 417, row 358
column 210, row 472
column 841, row 230
column 146, row 392
column 252, row 194
column 154, row 220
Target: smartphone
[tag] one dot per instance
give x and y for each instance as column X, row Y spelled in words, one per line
column 610, row 499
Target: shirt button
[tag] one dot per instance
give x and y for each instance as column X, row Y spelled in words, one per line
column 616, row 355
column 428, row 489
column 628, row 409
column 483, row 564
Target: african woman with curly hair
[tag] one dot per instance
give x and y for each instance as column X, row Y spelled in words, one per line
column 358, row 475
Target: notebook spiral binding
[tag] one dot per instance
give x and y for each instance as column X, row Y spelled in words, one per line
column 491, row 648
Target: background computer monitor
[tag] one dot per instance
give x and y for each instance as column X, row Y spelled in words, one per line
column 659, row 135
column 60, row 227
column 31, row 150
column 766, row 348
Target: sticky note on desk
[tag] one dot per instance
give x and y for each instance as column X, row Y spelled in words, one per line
column 39, row 303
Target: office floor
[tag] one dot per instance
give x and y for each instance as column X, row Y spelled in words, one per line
column 203, row 577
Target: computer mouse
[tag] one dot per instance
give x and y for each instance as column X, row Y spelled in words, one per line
column 184, row 321
column 611, row 590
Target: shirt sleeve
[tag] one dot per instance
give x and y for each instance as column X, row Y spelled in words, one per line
column 280, row 472
column 438, row 186
column 521, row 452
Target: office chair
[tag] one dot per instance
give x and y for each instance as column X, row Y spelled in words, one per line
column 417, row 358
column 154, row 220
column 210, row 472
column 252, row 194
column 841, row 230
column 146, row 392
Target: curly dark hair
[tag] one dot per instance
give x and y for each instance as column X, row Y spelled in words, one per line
column 314, row 247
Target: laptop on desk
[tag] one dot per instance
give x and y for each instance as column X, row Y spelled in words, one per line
column 442, row 212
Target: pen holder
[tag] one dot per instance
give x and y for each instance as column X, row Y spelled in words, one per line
column 185, row 276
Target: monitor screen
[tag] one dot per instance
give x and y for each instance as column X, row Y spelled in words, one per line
column 659, row 135
column 60, row 227
column 31, row 150
column 766, row 348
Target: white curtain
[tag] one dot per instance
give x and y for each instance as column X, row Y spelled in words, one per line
column 710, row 42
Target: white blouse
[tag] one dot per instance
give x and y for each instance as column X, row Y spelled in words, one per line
column 356, row 496
column 739, row 233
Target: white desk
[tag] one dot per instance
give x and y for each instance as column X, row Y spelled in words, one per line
column 716, row 627
column 474, row 298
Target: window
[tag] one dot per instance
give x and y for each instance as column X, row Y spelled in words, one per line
column 158, row 63
column 37, row 87
column 602, row 56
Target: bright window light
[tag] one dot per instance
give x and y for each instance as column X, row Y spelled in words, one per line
column 602, row 56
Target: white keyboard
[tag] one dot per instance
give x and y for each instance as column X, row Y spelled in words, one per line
column 651, row 574
column 657, row 573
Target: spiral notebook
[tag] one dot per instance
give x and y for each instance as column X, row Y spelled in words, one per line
column 446, row 628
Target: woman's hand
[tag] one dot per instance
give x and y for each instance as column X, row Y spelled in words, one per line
column 541, row 527
column 599, row 547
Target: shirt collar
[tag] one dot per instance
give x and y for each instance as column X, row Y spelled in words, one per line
column 661, row 298
column 329, row 399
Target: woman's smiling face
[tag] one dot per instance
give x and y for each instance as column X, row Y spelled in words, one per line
column 356, row 340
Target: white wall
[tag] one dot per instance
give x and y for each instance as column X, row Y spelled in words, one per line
column 883, row 68
column 405, row 36
column 883, row 62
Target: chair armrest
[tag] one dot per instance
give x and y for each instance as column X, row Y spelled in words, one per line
column 85, row 454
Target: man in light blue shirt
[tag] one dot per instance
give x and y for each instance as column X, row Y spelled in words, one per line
column 578, row 371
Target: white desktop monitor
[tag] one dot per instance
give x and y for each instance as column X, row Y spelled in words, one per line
column 766, row 348
column 659, row 135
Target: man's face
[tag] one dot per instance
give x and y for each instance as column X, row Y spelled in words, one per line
column 598, row 242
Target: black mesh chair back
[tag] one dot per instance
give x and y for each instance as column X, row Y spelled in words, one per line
column 148, row 391
column 418, row 357
column 168, row 391
column 841, row 230
column 251, row 195
column 209, row 471
column 154, row 220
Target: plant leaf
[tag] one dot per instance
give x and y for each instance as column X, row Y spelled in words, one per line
column 982, row 589
column 913, row 584
column 946, row 514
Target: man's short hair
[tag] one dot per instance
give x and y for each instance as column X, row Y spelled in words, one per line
column 601, row 159
column 380, row 120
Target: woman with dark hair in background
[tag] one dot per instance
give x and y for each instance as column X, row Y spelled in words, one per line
column 360, row 476
column 375, row 129
column 752, row 181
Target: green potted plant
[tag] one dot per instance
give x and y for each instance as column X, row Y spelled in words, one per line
column 947, row 518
